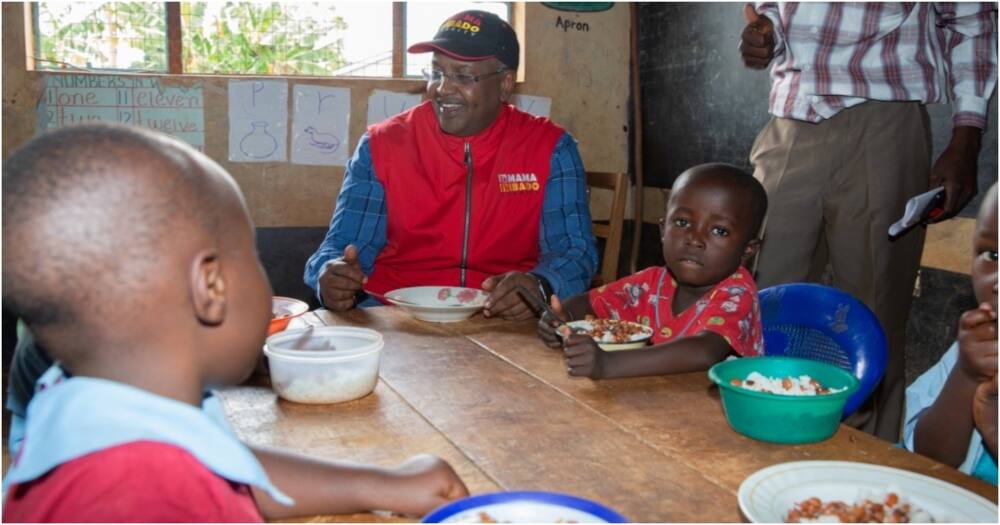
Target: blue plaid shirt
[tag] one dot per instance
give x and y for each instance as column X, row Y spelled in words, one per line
column 568, row 255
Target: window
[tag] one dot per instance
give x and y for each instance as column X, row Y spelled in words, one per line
column 109, row 36
column 320, row 39
column 323, row 39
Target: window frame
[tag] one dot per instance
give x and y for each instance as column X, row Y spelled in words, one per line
column 174, row 35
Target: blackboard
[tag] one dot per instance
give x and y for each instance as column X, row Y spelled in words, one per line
column 700, row 104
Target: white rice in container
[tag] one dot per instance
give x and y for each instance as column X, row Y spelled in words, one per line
column 789, row 386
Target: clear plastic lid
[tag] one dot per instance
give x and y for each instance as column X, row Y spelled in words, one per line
column 324, row 342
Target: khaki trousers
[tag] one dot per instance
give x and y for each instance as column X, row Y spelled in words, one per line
column 833, row 190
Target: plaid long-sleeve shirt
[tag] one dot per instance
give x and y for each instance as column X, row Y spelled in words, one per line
column 831, row 56
column 568, row 255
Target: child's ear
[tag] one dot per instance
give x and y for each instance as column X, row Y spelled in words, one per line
column 750, row 250
column 208, row 288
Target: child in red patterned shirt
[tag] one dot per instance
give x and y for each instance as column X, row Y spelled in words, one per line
column 702, row 305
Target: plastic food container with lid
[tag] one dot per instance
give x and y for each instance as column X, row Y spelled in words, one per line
column 327, row 364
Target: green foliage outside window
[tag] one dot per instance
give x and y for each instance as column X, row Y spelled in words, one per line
column 222, row 38
column 108, row 35
column 264, row 39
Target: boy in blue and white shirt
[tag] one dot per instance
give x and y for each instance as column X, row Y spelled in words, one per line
column 951, row 410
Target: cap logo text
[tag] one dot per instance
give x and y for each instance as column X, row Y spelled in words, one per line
column 469, row 23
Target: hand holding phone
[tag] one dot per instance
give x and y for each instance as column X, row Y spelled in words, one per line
column 918, row 210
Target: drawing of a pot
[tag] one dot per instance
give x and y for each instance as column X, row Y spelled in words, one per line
column 258, row 144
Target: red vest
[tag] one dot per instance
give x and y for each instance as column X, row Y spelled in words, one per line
column 424, row 173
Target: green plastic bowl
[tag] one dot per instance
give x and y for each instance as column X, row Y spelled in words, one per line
column 778, row 418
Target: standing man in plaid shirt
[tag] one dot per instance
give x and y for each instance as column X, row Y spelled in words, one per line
column 849, row 142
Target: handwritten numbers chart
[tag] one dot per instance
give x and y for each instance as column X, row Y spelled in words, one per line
column 138, row 101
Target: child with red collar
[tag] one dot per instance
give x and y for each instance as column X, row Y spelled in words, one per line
column 702, row 305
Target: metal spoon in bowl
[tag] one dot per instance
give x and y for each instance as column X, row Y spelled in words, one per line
column 540, row 305
column 388, row 299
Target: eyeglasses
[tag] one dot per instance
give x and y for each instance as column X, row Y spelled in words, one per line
column 434, row 76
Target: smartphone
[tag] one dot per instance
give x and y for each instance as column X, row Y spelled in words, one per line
column 918, row 209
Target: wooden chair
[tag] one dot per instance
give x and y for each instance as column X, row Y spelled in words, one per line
column 612, row 232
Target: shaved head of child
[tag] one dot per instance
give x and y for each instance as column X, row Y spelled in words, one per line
column 123, row 248
column 754, row 199
column 711, row 223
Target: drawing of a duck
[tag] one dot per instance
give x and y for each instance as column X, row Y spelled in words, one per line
column 324, row 141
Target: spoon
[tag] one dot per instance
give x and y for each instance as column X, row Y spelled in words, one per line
column 299, row 342
column 388, row 299
column 540, row 304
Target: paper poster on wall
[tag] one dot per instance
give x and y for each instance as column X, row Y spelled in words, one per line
column 137, row 101
column 540, row 106
column 384, row 104
column 320, row 124
column 258, row 116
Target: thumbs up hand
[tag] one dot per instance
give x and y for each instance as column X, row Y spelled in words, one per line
column 757, row 39
column 341, row 280
column 351, row 256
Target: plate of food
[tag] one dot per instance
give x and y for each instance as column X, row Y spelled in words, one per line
column 524, row 507
column 612, row 334
column 283, row 310
column 438, row 304
column 838, row 490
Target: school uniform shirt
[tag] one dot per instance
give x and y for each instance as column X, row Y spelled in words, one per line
column 922, row 394
column 730, row 309
column 98, row 450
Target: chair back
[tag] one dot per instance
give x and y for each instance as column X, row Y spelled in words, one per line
column 825, row 324
column 611, row 232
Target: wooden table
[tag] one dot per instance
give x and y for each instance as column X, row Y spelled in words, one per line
column 490, row 398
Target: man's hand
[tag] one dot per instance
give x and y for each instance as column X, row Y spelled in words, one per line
column 547, row 324
column 984, row 412
column 421, row 484
column 504, row 301
column 955, row 169
column 757, row 39
column 583, row 356
column 341, row 280
column 977, row 343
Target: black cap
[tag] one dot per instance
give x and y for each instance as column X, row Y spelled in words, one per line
column 473, row 36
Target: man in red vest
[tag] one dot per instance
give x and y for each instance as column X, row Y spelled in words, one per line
column 462, row 190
